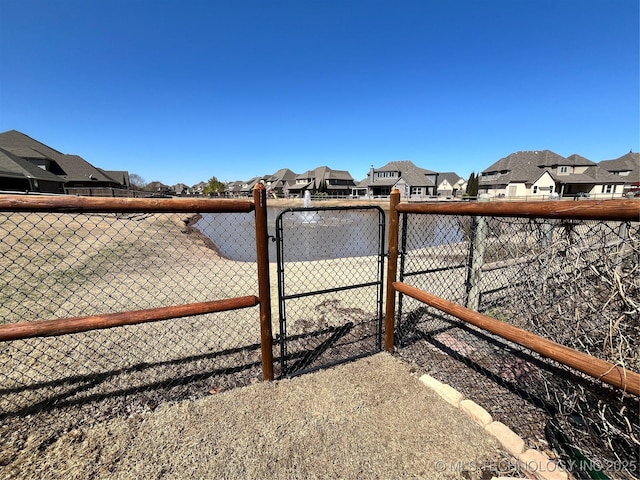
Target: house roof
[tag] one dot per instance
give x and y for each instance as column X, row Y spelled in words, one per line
column 383, row 182
column 403, row 166
column 156, row 187
column 412, row 175
column 629, row 162
column 364, row 183
column 300, row 186
column 249, row 184
column 527, row 166
column 77, row 168
column 519, row 166
column 592, row 174
column 283, row 173
column 13, row 166
column 119, row 176
column 26, row 152
column 279, row 178
column 576, row 160
column 15, row 140
column 318, row 175
column 451, row 177
column 69, row 167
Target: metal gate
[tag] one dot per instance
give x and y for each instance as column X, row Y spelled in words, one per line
column 330, row 265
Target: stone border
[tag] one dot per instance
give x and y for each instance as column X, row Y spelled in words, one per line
column 534, row 464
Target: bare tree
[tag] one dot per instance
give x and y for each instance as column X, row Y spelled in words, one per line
column 136, row 181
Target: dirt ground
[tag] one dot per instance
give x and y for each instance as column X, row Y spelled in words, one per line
column 367, row 419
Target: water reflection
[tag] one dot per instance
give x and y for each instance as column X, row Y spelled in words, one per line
column 321, row 234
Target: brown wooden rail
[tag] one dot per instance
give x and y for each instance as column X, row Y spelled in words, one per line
column 618, row 209
column 615, row 375
column 64, row 326
column 71, row 204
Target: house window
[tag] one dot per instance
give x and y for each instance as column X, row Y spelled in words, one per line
column 608, row 189
column 535, row 189
column 564, row 169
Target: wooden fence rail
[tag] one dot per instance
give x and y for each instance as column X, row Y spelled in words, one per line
column 603, row 210
column 619, row 210
column 607, row 372
column 70, row 204
column 64, row 326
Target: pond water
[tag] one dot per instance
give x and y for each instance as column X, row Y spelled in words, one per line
column 318, row 234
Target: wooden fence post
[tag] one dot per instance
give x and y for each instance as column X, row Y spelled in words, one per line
column 392, row 270
column 264, row 289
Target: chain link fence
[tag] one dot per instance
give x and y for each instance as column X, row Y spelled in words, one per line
column 574, row 282
column 62, row 265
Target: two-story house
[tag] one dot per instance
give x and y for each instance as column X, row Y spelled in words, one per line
column 413, row 182
column 335, row 183
column 543, row 172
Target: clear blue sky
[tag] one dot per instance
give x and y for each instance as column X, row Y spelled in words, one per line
column 182, row 90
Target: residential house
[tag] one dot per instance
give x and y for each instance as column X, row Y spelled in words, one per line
column 541, row 173
column 335, row 183
column 181, row 189
column 450, row 184
column 246, row 190
column 413, row 182
column 158, row 189
column 120, row 176
column 277, row 184
column 232, row 189
column 627, row 167
column 77, row 175
column 361, row 189
column 198, row 188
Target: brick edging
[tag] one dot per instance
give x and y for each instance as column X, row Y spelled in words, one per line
column 533, row 463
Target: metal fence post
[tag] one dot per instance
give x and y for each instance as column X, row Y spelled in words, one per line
column 264, row 290
column 392, row 269
column 478, row 245
column 546, row 242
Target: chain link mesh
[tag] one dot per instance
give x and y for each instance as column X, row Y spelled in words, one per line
column 59, row 265
column 573, row 282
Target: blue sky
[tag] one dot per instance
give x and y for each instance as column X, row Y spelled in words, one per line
column 179, row 91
